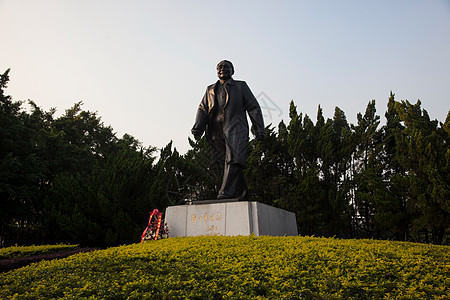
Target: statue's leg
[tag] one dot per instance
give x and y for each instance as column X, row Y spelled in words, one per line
column 242, row 189
column 233, row 184
column 217, row 154
column 217, row 150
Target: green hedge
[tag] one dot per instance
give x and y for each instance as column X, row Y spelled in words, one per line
column 240, row 268
column 19, row 251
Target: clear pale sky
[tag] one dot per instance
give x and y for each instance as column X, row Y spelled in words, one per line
column 144, row 65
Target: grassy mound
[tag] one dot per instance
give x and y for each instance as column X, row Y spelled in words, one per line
column 240, row 268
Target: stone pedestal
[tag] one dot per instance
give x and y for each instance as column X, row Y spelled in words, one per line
column 229, row 218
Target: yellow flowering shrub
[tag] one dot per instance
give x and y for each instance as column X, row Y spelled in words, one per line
column 217, row 267
column 19, row 251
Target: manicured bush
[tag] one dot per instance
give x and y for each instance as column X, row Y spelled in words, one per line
column 19, row 251
column 240, row 268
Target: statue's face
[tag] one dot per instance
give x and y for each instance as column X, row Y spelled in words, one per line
column 224, row 71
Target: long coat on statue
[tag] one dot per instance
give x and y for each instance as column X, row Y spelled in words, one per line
column 233, row 132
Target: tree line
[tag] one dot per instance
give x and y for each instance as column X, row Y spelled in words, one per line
column 71, row 179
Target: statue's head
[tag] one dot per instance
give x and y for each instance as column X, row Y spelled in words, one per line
column 225, row 69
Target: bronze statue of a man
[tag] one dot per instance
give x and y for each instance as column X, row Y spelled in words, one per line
column 222, row 115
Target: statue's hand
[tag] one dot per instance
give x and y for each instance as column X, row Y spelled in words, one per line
column 197, row 133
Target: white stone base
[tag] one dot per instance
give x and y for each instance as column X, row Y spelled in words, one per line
column 231, row 219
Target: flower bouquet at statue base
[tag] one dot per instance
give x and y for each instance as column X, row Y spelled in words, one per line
column 156, row 229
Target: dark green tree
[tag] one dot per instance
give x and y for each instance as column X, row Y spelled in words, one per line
column 270, row 168
column 20, row 172
column 423, row 151
column 369, row 187
column 205, row 173
column 396, row 213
